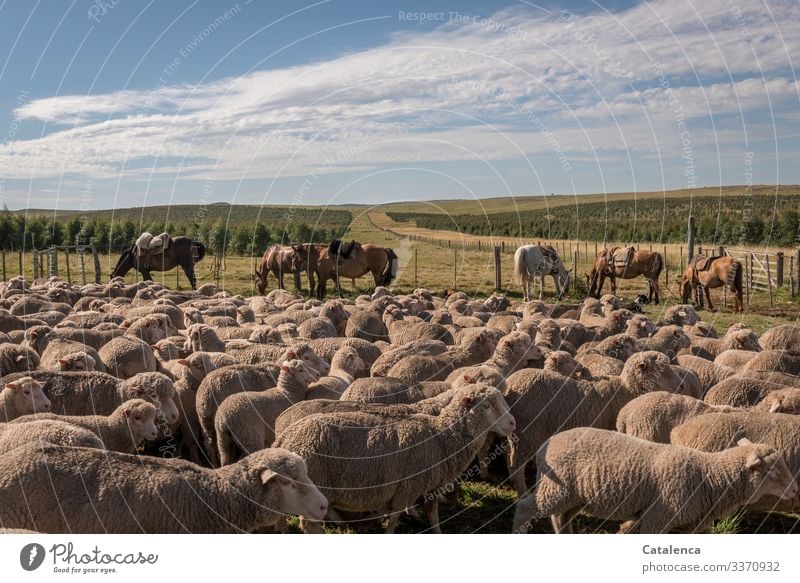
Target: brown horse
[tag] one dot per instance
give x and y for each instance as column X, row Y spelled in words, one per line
column 352, row 260
column 278, row 260
column 640, row 263
column 181, row 251
column 713, row 272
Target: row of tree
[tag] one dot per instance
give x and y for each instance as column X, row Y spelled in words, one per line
column 732, row 220
column 18, row 231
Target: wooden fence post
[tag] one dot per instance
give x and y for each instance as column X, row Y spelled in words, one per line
column 415, row 267
column 69, row 275
column 35, row 266
column 769, row 278
column 575, row 271
column 749, row 275
column 82, row 253
column 455, row 267
column 779, row 269
column 498, row 274
column 791, row 275
column 690, row 239
column 4, row 265
column 666, row 267
column 96, row 258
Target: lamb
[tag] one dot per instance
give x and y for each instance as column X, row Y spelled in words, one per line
column 124, row 430
column 669, row 340
column 46, row 431
column 774, row 361
column 401, row 332
column 656, row 488
column 548, row 336
column 77, row 361
column 363, row 463
column 718, row 431
column 708, row 372
column 15, row 358
column 22, row 396
column 245, row 422
column 150, row 328
column 384, row 363
column 740, row 391
column 710, row 348
column 652, row 416
column 343, row 367
column 783, row 337
column 701, row 329
column 546, row 403
column 126, row 356
column 256, row 492
column 98, row 393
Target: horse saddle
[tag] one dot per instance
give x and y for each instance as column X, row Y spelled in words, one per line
column 620, row 257
column 152, row 244
column 701, row 262
column 341, row 249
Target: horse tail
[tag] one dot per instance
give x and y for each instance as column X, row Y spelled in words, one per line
column 201, row 250
column 390, row 273
column 120, row 269
column 520, row 268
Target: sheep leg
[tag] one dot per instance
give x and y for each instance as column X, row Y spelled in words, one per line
column 391, row 525
column 562, row 523
column 432, row 512
column 629, row 526
column 483, row 453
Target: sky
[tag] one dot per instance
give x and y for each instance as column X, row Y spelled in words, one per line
column 120, row 103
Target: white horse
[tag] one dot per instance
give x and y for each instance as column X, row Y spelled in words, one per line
column 541, row 260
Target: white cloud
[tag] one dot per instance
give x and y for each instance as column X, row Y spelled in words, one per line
column 455, row 93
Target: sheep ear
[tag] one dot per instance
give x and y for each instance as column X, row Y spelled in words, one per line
column 469, row 378
column 62, row 362
column 642, row 365
column 466, row 401
column 126, row 412
column 20, row 358
column 183, row 362
column 267, row 475
column 744, row 441
column 137, row 391
column 753, row 461
column 291, row 355
column 147, row 323
column 12, row 386
column 682, row 313
column 777, row 406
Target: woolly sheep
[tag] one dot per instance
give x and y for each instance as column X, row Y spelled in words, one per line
column 680, row 315
column 384, row 363
column 735, row 359
column 783, row 337
column 740, row 391
column 123, row 430
column 710, row 348
column 669, row 340
column 22, row 396
column 343, row 368
column 653, row 415
column 245, row 422
column 15, row 358
column 784, row 361
column 708, row 372
column 546, row 403
column 366, row 463
column 126, row 356
column 401, row 332
column 656, row 488
column 76, row 361
column 599, row 365
column 254, row 493
column 719, row 431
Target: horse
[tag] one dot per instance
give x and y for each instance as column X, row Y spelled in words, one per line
column 710, row 273
column 352, row 260
column 541, row 260
column 278, row 260
column 181, row 251
column 636, row 263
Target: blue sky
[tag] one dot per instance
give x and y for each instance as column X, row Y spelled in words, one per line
column 125, row 103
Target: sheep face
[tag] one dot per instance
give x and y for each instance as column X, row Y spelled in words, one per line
column 199, row 365
column 768, row 471
column 141, row 418
column 192, row 316
column 160, row 393
column 781, row 401
column 297, row 493
column 28, row 396
column 79, row 361
column 302, row 373
column 305, row 353
column 743, row 340
column 488, row 403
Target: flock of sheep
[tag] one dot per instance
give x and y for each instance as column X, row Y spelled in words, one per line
column 135, row 408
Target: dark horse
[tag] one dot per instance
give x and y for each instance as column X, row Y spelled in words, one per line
column 180, row 251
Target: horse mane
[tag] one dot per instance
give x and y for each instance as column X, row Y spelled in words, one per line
column 343, row 250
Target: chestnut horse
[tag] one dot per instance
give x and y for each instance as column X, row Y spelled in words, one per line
column 352, row 260
column 718, row 272
column 642, row 263
column 278, row 260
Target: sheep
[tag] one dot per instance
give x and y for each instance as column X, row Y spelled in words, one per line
column 735, row 359
column 417, row 368
column 783, row 337
column 387, row 360
column 740, row 391
column 640, row 327
column 201, row 337
column 254, row 493
column 780, row 401
column 15, row 358
column 22, row 396
column 619, row 346
column 656, row 488
column 366, row 463
column 77, row 361
column 200, row 364
column 94, row 338
column 561, row 362
column 545, row 403
column 548, row 336
column 710, row 348
column 126, row 356
column 150, row 328
column 600, row 365
column 281, row 334
column 784, row 361
column 708, row 372
column 718, row 431
column 367, row 324
column 343, row 367
column 245, row 422
column 327, row 347
column 46, row 431
column 652, row 416
column 669, row 340
column 52, row 347
column 513, row 353
column 98, row 393
column 90, row 319
column 680, row 315
column 703, row 329
column 317, row 328
column 401, row 332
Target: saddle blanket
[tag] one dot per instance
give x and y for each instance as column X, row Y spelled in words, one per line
column 153, row 243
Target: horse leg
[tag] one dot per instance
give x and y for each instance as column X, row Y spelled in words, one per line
column 280, row 278
column 188, row 269
column 708, row 297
